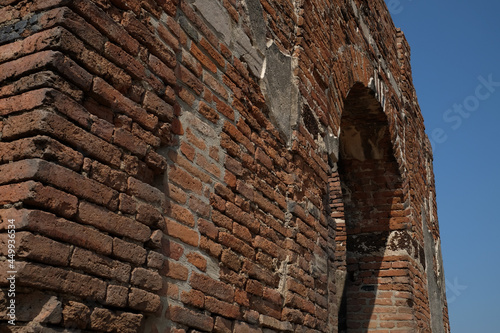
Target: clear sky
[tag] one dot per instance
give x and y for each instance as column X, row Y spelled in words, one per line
column 456, row 71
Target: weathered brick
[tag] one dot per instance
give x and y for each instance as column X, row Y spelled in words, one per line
column 161, row 70
column 222, row 308
column 99, row 265
column 35, row 194
column 144, row 191
column 112, row 98
column 155, row 260
column 191, row 318
column 113, row 223
column 154, row 104
column 212, row 287
column 197, row 260
column 105, row 23
column 57, row 279
column 143, row 301
column 132, row 143
column 76, row 314
column 37, row 248
column 243, row 327
column 106, row 321
column 67, row 67
column 174, row 270
column 59, row 229
column 43, row 122
column 185, row 180
column 144, row 36
column 194, row 298
column 116, row 295
column 147, row 279
column 148, row 215
column 172, row 249
column 182, row 232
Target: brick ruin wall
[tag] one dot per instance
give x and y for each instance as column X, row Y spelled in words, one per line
column 214, row 166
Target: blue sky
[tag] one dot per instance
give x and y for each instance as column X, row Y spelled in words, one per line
column 456, row 71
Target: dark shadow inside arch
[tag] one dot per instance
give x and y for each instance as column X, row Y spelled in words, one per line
column 371, row 186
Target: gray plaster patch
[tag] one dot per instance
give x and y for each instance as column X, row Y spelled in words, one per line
column 257, row 24
column 332, row 147
column 217, row 16
column 244, row 49
column 434, row 286
column 280, row 90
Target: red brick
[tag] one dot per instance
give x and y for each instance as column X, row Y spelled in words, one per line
column 99, row 265
column 242, row 217
column 199, row 207
column 146, row 279
column 106, row 24
column 117, row 295
column 194, row 298
column 259, row 273
column 174, row 270
column 156, row 162
column 132, row 143
column 60, row 229
column 222, row 220
column 177, row 194
column 185, row 180
column 212, row 52
column 112, row 98
column 38, row 80
column 141, row 33
column 161, row 70
column 197, row 260
column 208, row 229
column 188, row 151
column 35, row 194
column 112, row 223
column 189, row 79
column 242, row 233
column 191, row 63
column 245, row 328
column 202, row 58
column 254, row 287
column 130, row 65
column 222, row 325
column 44, row 122
column 231, row 260
column 156, row 105
column 143, row 301
column 190, row 318
column 76, row 315
column 196, row 141
column 37, row 248
column 182, row 232
column 222, row 308
column 128, row 251
column 145, row 191
column 236, row 244
column 67, row 67
column 181, row 214
column 75, row 23
column 57, row 279
column 149, row 215
column 211, row 287
column 208, row 112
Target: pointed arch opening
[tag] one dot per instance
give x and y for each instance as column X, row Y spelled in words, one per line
column 367, row 197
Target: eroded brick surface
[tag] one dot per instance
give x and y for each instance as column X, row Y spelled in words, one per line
column 215, row 166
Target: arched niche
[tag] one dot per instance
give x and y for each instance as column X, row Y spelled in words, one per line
column 367, row 198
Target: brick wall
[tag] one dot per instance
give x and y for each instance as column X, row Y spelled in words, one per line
column 214, row 166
